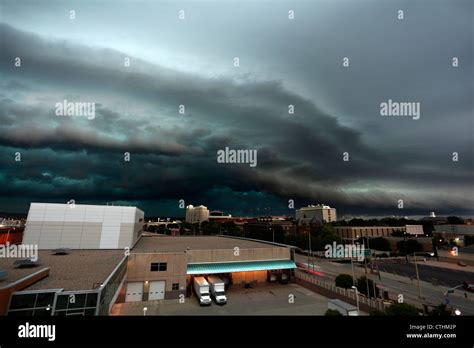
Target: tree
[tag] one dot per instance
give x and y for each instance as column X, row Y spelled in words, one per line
column 428, row 227
column 231, row 229
column 344, row 281
column 209, row 228
column 380, row 243
column 440, row 310
column 402, row 309
column 376, row 313
column 468, row 240
column 322, row 236
column 454, row 220
column 363, row 283
column 186, row 229
column 409, row 246
column 333, row 313
column 161, row 229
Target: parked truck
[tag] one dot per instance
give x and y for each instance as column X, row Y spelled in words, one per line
column 343, row 307
column 217, row 286
column 201, row 288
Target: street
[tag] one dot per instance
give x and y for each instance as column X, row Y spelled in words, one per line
column 401, row 283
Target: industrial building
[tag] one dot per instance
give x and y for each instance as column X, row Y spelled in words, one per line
column 162, row 267
column 95, row 256
column 77, row 226
column 196, row 214
column 355, row 232
column 74, row 282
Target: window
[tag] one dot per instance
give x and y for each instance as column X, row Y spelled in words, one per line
column 158, row 267
column 30, row 304
column 84, row 303
column 175, row 286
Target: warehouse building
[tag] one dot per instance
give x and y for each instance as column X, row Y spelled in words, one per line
column 77, row 226
column 355, row 232
column 62, row 282
column 162, row 267
column 91, row 257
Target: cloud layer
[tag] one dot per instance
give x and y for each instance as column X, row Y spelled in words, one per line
column 173, row 155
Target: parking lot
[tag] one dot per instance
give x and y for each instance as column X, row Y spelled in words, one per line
column 289, row 299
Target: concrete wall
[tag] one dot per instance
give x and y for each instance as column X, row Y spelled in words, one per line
column 229, row 255
column 240, row 278
column 139, row 266
column 139, row 270
column 82, row 226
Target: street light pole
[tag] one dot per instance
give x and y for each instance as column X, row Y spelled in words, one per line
column 417, row 277
column 309, row 247
column 352, row 265
column 357, row 299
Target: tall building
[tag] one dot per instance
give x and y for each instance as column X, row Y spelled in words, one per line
column 314, row 213
column 196, row 214
column 78, row 226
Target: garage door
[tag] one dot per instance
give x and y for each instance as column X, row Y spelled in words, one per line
column 157, row 290
column 134, row 291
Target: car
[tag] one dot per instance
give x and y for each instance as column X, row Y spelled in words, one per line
column 462, row 263
column 468, row 287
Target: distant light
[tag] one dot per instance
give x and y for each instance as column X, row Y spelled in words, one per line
column 432, row 254
column 457, row 312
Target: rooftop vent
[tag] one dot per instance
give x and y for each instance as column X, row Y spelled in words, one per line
column 61, row 251
column 26, row 263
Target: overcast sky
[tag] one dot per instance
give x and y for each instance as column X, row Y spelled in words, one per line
column 282, row 62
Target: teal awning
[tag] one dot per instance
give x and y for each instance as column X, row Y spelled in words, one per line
column 228, row 267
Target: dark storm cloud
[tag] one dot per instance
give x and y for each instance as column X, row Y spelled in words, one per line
column 174, row 156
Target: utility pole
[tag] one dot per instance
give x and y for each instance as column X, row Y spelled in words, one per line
column 417, row 277
column 309, row 241
column 352, row 265
column 357, row 299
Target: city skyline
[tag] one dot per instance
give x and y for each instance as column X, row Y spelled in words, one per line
column 190, row 62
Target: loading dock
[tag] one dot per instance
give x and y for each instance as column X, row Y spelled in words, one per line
column 134, row 292
column 166, row 265
column 157, row 290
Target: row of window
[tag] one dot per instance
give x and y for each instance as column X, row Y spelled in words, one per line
column 41, row 303
column 158, row 267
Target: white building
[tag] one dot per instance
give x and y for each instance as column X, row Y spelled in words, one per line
column 196, row 214
column 77, row 226
column 321, row 212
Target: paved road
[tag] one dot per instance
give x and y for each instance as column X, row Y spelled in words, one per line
column 443, row 276
column 397, row 284
column 262, row 300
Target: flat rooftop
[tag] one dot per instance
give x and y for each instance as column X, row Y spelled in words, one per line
column 166, row 244
column 79, row 270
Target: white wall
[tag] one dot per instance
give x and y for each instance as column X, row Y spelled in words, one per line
column 78, row 226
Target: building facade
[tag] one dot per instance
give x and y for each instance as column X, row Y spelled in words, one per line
column 161, row 267
column 196, row 214
column 77, row 226
column 312, row 213
column 355, row 232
